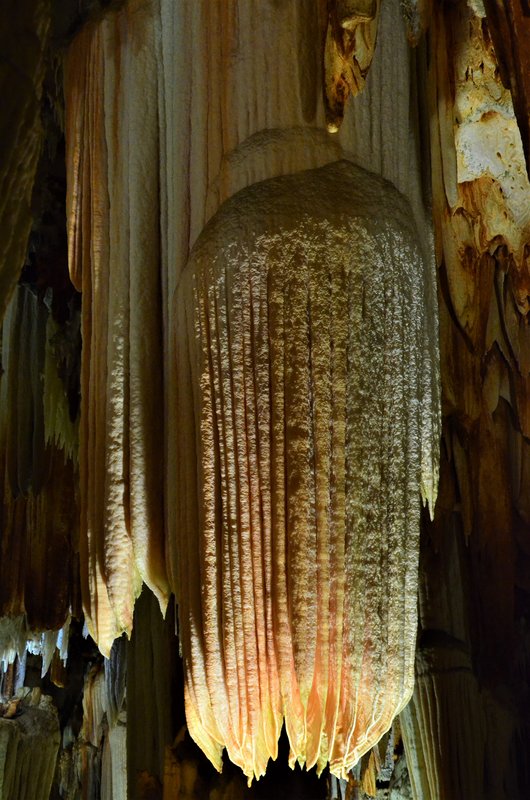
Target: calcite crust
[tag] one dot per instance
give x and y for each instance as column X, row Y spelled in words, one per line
column 306, row 361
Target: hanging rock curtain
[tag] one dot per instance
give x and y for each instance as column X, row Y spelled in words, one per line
column 114, row 257
column 305, row 355
column 38, row 510
column 163, row 124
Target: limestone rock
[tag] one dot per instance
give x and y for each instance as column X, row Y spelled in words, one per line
column 305, row 358
column 28, row 750
column 113, row 219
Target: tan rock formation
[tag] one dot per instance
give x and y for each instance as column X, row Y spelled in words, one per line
column 113, row 218
column 303, row 300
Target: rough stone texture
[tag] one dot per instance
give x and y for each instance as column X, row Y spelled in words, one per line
column 474, row 564
column 28, row 751
column 153, row 149
column 509, row 25
column 305, row 352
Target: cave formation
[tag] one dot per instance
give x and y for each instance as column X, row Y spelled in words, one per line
column 264, row 416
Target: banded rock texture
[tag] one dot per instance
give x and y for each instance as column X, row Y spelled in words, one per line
column 38, row 511
column 28, row 749
column 475, row 568
column 306, row 353
column 113, row 226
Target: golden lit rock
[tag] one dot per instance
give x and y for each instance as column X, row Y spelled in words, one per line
column 305, row 358
column 113, row 225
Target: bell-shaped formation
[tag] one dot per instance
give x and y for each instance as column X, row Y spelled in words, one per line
column 307, row 400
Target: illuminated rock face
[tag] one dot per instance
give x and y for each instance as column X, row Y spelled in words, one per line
column 308, row 422
column 113, row 227
column 152, row 150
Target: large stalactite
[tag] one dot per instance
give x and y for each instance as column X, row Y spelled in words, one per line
column 225, row 451
column 116, row 75
column 113, row 223
column 303, row 300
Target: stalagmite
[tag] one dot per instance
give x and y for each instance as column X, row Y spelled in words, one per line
column 29, row 741
column 434, row 744
column 152, row 661
column 305, row 356
column 93, row 765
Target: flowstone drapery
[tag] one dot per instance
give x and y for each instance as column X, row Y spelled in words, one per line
column 113, row 227
column 308, row 423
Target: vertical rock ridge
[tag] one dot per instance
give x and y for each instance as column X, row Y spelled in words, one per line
column 113, row 216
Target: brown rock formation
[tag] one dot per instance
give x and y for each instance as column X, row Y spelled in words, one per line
column 23, row 45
